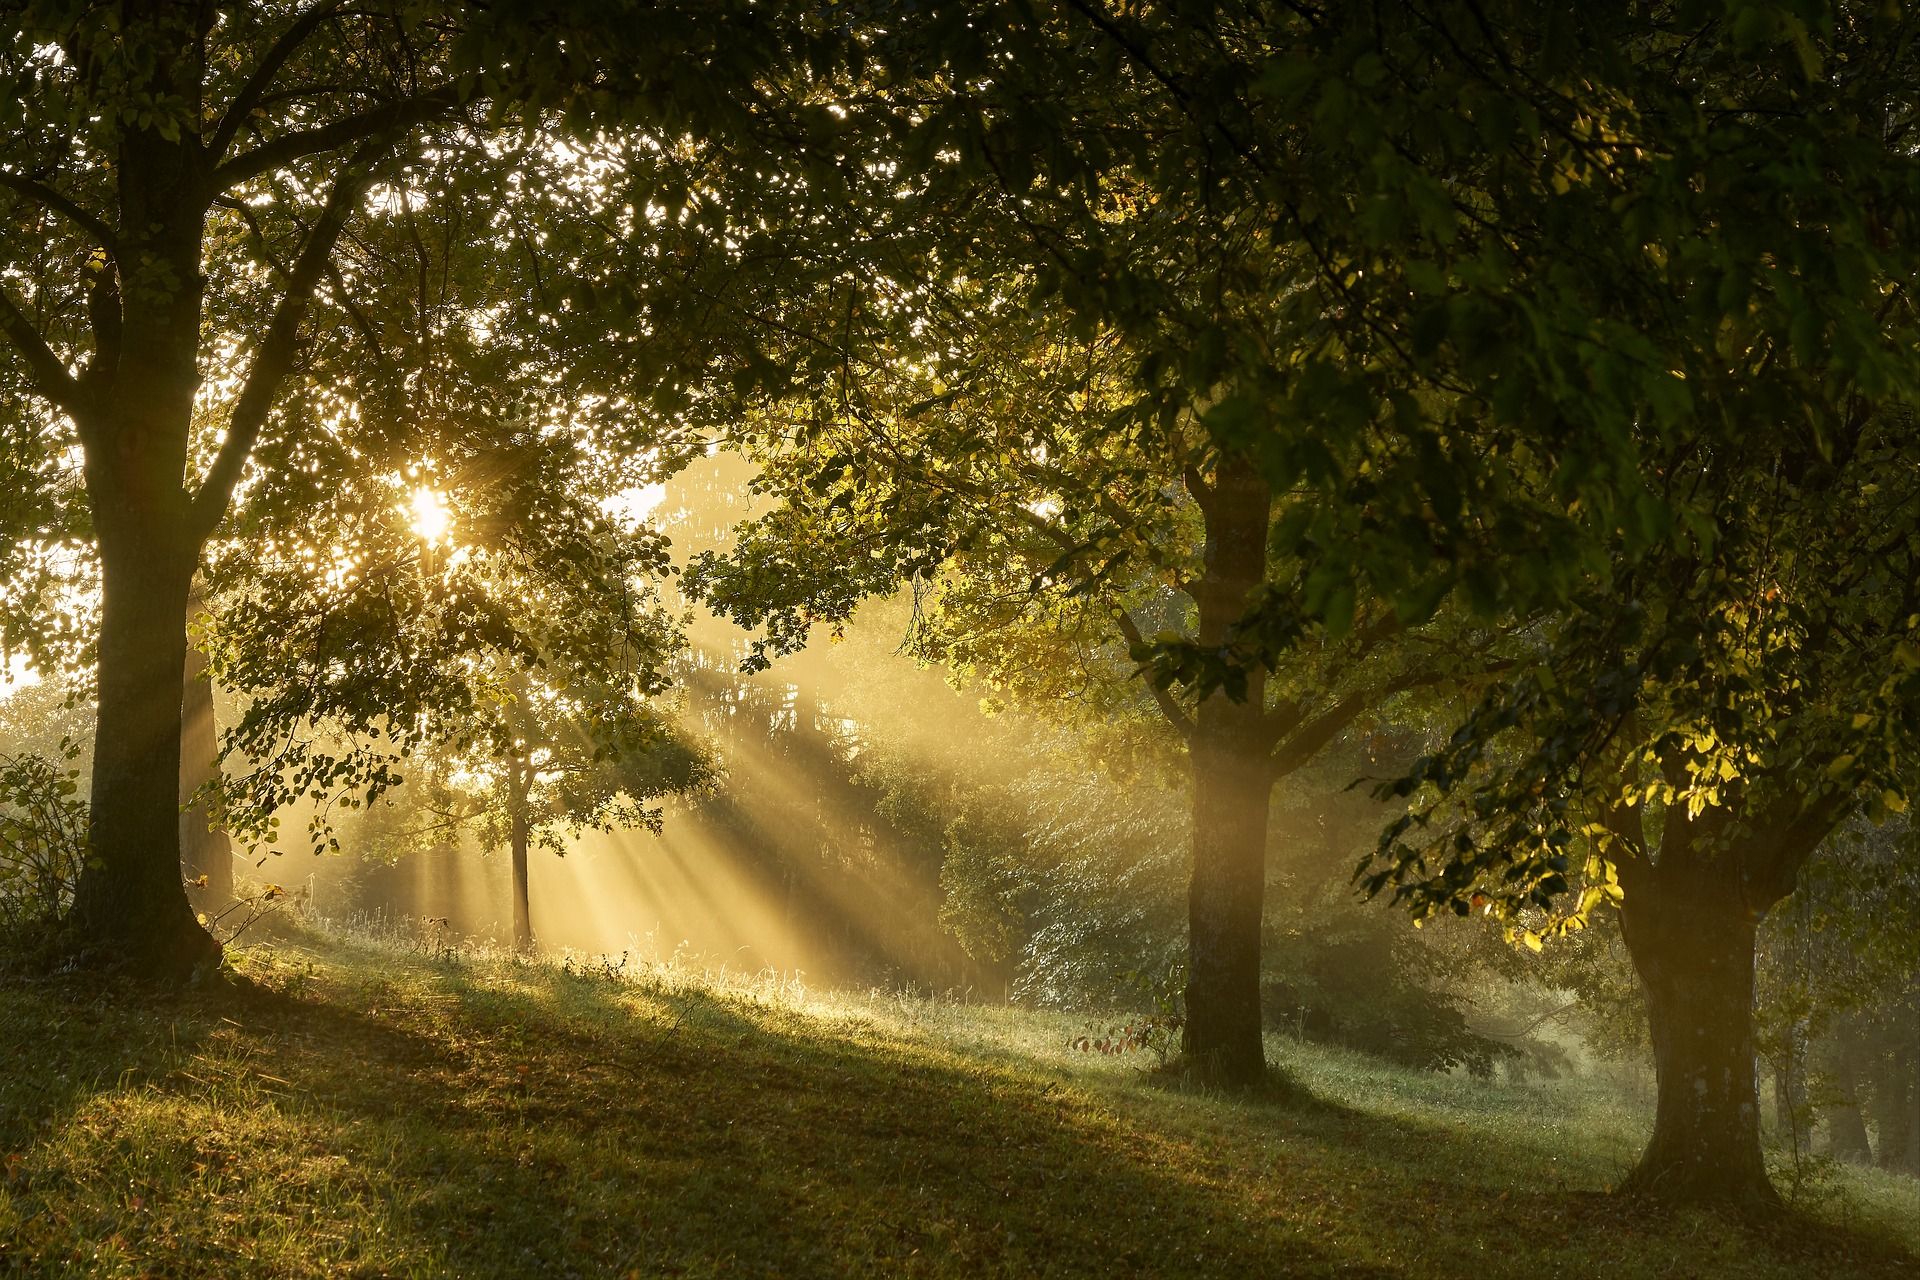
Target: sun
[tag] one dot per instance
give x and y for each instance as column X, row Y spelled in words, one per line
column 431, row 518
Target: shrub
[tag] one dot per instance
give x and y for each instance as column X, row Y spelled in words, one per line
column 43, row 842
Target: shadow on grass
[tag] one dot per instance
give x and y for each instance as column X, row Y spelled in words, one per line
column 542, row 1125
column 403, row 1117
column 1448, row 1184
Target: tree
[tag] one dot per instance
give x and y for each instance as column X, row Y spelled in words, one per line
column 1056, row 530
column 1583, row 312
column 1692, row 751
column 187, row 299
column 1731, row 670
column 1612, row 313
column 499, row 640
column 548, row 763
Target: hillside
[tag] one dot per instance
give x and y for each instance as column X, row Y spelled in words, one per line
column 352, row 1109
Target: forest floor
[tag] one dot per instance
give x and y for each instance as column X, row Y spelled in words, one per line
column 354, row 1109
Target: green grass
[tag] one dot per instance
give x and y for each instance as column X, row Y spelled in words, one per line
column 365, row 1111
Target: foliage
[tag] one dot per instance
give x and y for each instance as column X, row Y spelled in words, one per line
column 51, row 718
column 1849, row 934
column 1837, row 977
column 46, row 573
column 559, row 762
column 1341, row 976
column 1157, row 1033
column 1472, row 272
column 43, row 843
column 1054, row 540
column 1767, row 678
column 1540, row 351
column 530, row 631
column 1075, row 878
column 257, row 256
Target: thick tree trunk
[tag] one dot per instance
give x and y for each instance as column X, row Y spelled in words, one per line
column 1693, row 947
column 518, row 838
column 1232, row 789
column 134, row 424
column 1846, row 1128
column 204, row 848
column 130, row 904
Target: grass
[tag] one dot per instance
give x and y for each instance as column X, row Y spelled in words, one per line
column 359, row 1110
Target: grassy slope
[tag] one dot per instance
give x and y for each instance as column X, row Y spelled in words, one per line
column 366, row 1112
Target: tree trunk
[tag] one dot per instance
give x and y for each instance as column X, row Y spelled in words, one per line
column 1893, row 1110
column 204, row 848
column 1907, row 1068
column 1225, row 901
column 1693, row 946
column 130, row 904
column 1791, row 1117
column 1846, row 1129
column 1913, row 1111
column 519, row 781
column 1232, row 789
column 134, row 423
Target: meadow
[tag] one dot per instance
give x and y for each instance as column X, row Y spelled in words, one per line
column 359, row 1107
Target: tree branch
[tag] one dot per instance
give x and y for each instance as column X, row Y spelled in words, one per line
column 1197, row 486
column 51, row 377
column 278, row 152
column 333, row 275
column 42, row 194
column 1306, row 741
column 1303, row 744
column 1163, row 698
column 1782, row 841
column 104, row 314
column 276, row 352
column 276, row 57
column 1536, row 1024
column 360, row 321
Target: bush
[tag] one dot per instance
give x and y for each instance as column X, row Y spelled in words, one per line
column 43, row 842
